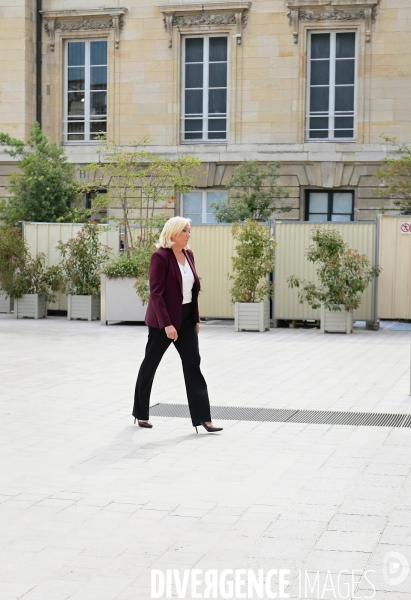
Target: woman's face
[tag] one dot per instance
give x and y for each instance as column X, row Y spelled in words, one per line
column 182, row 239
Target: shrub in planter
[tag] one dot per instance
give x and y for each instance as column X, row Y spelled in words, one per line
column 82, row 261
column 125, row 283
column 343, row 273
column 12, row 255
column 251, row 290
column 33, row 285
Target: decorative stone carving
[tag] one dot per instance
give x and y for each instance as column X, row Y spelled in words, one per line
column 204, row 19
column 197, row 15
column 108, row 19
column 295, row 15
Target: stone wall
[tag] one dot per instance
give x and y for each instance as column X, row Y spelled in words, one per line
column 267, row 84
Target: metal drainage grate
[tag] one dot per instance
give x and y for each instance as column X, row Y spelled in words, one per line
column 318, row 417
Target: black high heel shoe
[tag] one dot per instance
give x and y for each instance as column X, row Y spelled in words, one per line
column 145, row 424
column 209, row 429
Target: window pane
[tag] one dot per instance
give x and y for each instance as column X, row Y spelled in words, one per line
column 75, row 78
column 218, row 49
column 344, row 99
column 340, row 218
column 320, row 45
column 194, row 102
column 345, row 45
column 217, row 101
column 98, row 78
column 319, row 99
column 320, row 72
column 318, row 134
column 194, row 76
column 319, row 123
column 344, row 71
column 217, row 75
column 76, row 53
column 318, row 202
column 75, row 103
column 98, row 53
column 215, row 197
column 321, row 218
column 196, row 219
column 342, row 202
column 217, row 135
column 75, row 131
column 194, row 125
column 344, row 127
column 217, row 125
column 194, row 50
column 98, row 103
column 210, row 218
column 193, row 202
column 97, row 128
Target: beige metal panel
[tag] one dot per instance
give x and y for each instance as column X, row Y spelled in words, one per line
column 394, row 285
column 44, row 237
column 213, row 247
column 292, row 241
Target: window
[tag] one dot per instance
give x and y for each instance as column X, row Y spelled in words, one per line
column 331, row 86
column 329, row 206
column 204, row 101
column 86, row 91
column 197, row 206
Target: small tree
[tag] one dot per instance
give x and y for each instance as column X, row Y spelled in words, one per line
column 44, row 189
column 253, row 263
column 139, row 183
column 82, row 260
column 396, row 172
column 12, row 254
column 344, row 274
column 254, row 193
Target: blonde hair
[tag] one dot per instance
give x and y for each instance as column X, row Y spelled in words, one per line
column 173, row 227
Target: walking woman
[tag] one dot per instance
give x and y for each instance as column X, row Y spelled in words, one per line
column 172, row 317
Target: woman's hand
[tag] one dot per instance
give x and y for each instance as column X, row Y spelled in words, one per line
column 171, row 332
column 198, row 328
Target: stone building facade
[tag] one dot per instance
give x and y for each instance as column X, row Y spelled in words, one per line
column 311, row 83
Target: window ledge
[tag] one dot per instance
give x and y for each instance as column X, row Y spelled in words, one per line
column 320, row 11
column 213, row 14
column 87, row 19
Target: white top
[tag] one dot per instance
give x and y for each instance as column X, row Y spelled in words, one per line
column 188, row 281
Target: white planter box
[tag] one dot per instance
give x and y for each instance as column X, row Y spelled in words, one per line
column 336, row 321
column 252, row 316
column 119, row 300
column 30, row 305
column 83, row 307
column 6, row 303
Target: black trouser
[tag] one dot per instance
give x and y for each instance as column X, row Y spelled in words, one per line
column 187, row 347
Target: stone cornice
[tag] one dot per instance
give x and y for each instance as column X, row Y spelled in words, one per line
column 88, row 19
column 343, row 11
column 209, row 15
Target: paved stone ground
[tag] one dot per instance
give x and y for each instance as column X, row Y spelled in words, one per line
column 90, row 503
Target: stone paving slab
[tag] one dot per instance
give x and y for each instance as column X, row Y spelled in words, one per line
column 89, row 503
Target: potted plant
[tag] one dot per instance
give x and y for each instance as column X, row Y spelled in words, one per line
column 343, row 276
column 254, row 193
column 82, row 260
column 24, row 278
column 140, row 185
column 252, row 290
column 33, row 285
column 12, row 253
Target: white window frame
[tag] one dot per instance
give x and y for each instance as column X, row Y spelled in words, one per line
column 205, row 116
column 87, row 91
column 203, row 203
column 331, row 101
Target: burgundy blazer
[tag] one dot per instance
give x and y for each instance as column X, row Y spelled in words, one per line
column 165, row 305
